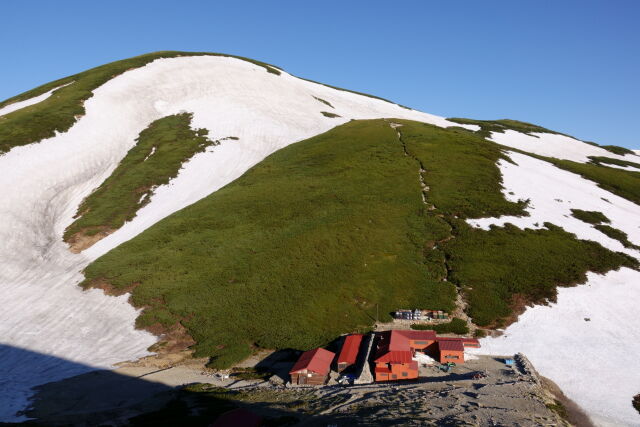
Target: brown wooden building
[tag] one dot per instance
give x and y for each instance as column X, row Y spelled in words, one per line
column 312, row 367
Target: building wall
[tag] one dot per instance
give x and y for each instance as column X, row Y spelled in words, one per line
column 397, row 369
column 420, row 344
column 304, row 378
column 451, row 356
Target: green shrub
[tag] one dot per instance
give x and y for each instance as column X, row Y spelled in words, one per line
column 496, row 266
column 617, row 150
column 609, row 161
column 616, row 234
column 455, row 326
column 590, row 217
column 323, row 101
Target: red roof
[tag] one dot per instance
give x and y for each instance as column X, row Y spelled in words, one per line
column 395, row 357
column 238, row 417
column 350, row 349
column 450, row 344
column 399, row 340
column 394, row 346
column 317, row 360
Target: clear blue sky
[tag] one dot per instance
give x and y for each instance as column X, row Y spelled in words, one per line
column 569, row 65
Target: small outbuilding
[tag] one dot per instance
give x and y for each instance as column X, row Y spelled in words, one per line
column 349, row 352
column 312, row 367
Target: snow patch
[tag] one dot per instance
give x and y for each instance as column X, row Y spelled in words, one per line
column 553, row 145
column 582, row 356
column 31, row 101
column 153, row 150
column 553, row 192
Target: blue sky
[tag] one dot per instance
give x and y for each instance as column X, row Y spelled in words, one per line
column 572, row 66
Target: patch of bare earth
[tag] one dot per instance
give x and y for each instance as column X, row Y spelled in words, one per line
column 82, row 240
column 574, row 413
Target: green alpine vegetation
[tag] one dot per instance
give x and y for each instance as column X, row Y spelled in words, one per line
column 615, row 149
column 330, row 115
column 297, row 251
column 603, row 161
column 61, row 110
column 308, row 243
column 590, row 217
column 455, row 326
column 488, row 126
column 616, row 234
column 503, row 269
column 155, row 159
column 325, row 102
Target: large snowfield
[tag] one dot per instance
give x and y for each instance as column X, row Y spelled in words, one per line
column 50, row 329
column 594, row 362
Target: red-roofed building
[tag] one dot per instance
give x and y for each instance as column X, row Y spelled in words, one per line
column 312, row 367
column 349, row 352
column 396, row 349
column 394, row 353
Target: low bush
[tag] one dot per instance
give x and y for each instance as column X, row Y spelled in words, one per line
column 590, row 217
column 616, row 234
column 455, row 326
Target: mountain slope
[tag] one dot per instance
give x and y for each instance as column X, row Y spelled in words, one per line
column 300, row 246
column 44, row 183
column 334, row 228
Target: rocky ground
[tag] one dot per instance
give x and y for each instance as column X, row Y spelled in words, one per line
column 505, row 396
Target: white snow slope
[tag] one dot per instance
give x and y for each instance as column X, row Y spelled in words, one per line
column 43, row 310
column 594, row 362
column 558, row 146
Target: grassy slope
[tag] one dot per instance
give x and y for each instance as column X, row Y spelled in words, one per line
column 293, row 253
column 503, row 267
column 172, row 142
column 61, row 110
column 304, row 245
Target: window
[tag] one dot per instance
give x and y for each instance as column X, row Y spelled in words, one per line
column 421, row 342
column 405, row 374
column 451, row 356
column 394, row 377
